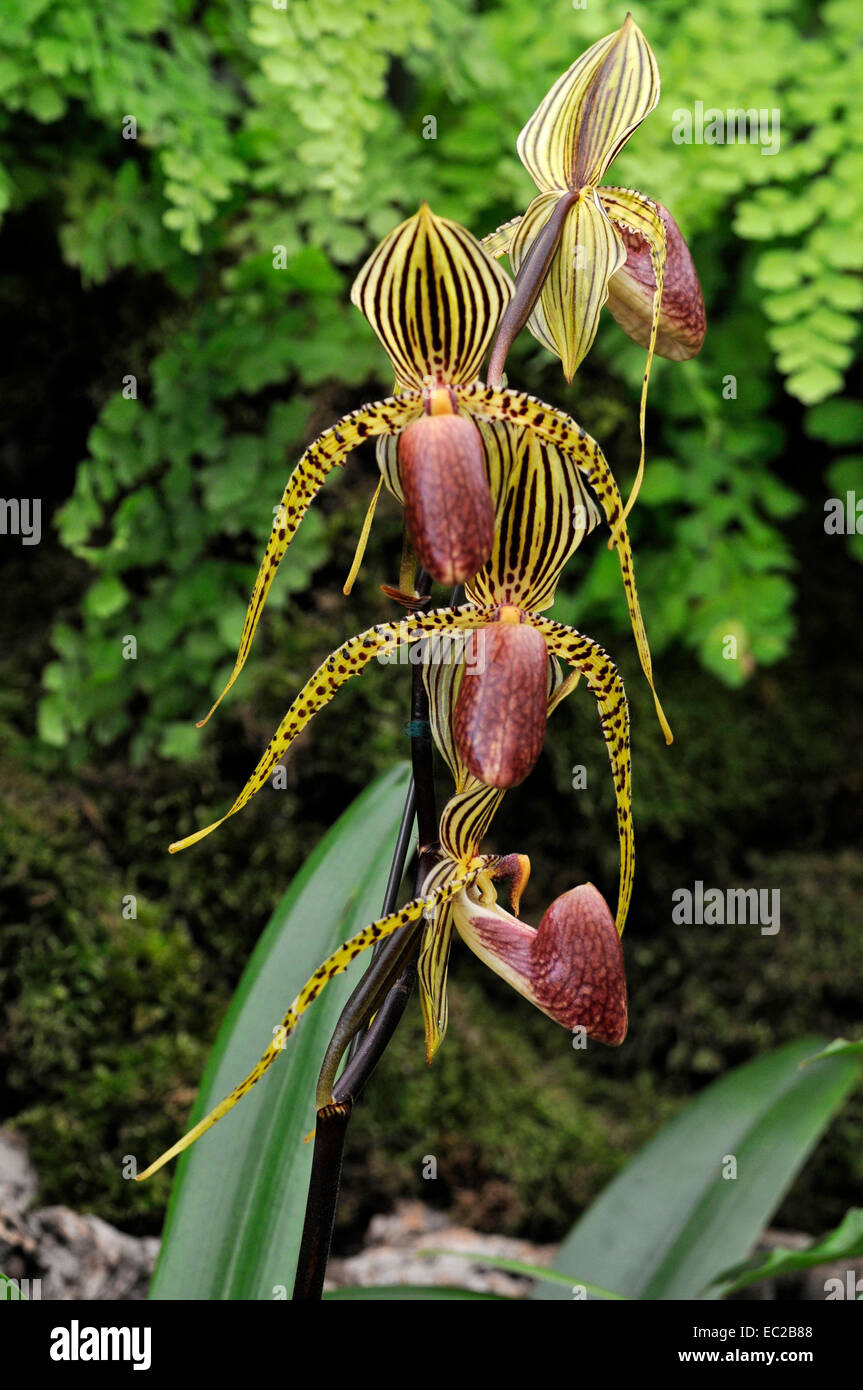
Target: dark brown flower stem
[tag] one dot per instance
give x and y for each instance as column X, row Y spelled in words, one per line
column 330, row 1129
column 384, row 991
column 364, row 1003
column 528, row 284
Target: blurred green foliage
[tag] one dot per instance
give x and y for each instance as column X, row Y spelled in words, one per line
column 291, row 137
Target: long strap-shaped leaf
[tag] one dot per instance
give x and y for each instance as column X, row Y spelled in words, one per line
column 334, row 965
column 547, row 423
column 329, row 450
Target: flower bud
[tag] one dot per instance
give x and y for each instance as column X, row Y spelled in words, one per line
column 448, row 507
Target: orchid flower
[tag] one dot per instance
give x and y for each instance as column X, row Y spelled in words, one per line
column 433, row 297
column 498, row 717
column 613, row 244
column 571, row 967
column 526, row 959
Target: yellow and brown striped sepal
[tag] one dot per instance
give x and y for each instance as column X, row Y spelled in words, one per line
column 591, row 111
column 434, row 298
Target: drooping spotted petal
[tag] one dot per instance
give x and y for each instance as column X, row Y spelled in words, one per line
column 347, row 661
column 434, row 297
column 604, row 681
column 632, row 292
column 570, row 967
column 590, row 251
column 639, row 220
column 591, row 111
column 334, row 965
column 329, row 449
column 529, row 413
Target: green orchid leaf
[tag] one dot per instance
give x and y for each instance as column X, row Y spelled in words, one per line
column 238, row 1203
column 402, row 1293
column 840, row 1047
column 698, row 1195
column 539, row 1272
column 845, row 1243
